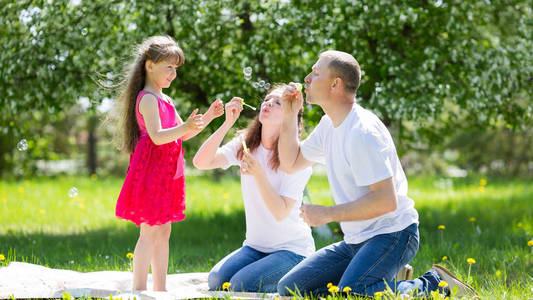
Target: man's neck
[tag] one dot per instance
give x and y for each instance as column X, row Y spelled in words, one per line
column 338, row 109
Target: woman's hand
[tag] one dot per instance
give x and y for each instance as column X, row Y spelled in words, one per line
column 233, row 110
column 216, row 109
column 250, row 166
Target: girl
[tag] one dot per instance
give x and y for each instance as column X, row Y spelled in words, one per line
column 153, row 194
column 276, row 237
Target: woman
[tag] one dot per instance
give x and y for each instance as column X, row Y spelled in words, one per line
column 277, row 239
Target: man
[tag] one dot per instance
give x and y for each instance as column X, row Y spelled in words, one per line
column 379, row 221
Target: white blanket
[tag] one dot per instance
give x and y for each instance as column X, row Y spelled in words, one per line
column 23, row 280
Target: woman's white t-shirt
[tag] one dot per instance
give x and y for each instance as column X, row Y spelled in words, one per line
column 358, row 153
column 263, row 232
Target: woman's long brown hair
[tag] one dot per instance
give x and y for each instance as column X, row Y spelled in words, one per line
column 156, row 49
column 252, row 135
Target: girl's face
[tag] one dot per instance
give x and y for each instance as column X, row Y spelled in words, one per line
column 162, row 73
column 271, row 112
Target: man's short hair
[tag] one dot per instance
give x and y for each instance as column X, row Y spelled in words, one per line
column 346, row 67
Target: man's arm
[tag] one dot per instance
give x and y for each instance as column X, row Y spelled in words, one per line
column 290, row 155
column 380, row 200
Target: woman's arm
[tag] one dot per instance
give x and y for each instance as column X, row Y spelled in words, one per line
column 208, row 157
column 279, row 206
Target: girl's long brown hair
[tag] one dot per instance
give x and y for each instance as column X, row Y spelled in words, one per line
column 252, row 135
column 156, row 49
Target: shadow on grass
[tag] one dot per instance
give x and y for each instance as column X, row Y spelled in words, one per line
column 196, row 244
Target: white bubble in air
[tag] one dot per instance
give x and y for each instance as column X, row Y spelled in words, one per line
column 22, row 145
column 73, row 192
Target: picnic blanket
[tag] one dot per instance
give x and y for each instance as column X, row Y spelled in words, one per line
column 24, row 280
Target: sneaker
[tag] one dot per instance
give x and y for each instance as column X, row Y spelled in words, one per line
column 405, row 273
column 463, row 289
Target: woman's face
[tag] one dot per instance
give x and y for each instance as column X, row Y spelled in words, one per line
column 271, row 113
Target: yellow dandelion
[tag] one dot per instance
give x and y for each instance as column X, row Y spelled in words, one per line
column 4, row 200
column 329, row 285
column 2, row 257
column 519, row 225
column 41, row 211
column 225, row 286
column 498, row 273
column 530, row 243
column 225, row 196
column 333, row 289
column 441, row 227
column 471, row 261
column 26, row 182
column 346, row 289
column 21, row 190
column 472, row 219
column 94, row 176
column 444, row 257
column 443, row 284
column 378, row 294
column 129, row 255
column 481, row 189
column 483, row 182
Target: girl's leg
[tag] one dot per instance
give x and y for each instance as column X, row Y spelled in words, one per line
column 160, row 257
column 142, row 255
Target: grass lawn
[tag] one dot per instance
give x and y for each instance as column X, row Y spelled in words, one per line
column 490, row 222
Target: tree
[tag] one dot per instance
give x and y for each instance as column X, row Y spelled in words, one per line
column 429, row 66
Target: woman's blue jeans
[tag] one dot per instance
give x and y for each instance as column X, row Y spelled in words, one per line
column 249, row 270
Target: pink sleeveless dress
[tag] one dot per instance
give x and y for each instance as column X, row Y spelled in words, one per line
column 154, row 188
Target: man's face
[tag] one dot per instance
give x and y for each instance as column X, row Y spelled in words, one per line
column 318, row 82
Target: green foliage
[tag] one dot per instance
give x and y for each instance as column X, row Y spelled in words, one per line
column 429, row 66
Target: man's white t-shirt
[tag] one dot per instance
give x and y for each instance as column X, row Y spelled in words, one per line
column 358, row 153
column 263, row 232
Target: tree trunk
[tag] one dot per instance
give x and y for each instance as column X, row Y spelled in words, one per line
column 91, row 144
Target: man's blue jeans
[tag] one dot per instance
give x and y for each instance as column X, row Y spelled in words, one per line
column 366, row 268
column 249, row 270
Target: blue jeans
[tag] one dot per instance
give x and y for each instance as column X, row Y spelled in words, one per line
column 249, row 270
column 366, row 268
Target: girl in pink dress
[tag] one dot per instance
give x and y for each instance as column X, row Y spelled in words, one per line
column 153, row 194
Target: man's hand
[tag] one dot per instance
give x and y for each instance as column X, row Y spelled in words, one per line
column 291, row 100
column 314, row 215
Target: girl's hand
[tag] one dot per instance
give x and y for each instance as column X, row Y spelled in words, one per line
column 233, row 109
column 250, row 166
column 216, row 109
column 194, row 121
column 291, row 100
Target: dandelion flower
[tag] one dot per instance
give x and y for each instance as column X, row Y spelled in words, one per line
column 378, row 294
column 471, row 261
column 444, row 257
column 329, row 285
column 519, row 225
column 530, row 243
column 481, row 189
column 472, row 219
column 333, row 289
column 498, row 273
column 483, row 182
column 2, row 257
column 129, row 255
column 225, row 195
column 443, row 284
column 41, row 211
column 441, row 227
column 347, row 289
column 226, row 285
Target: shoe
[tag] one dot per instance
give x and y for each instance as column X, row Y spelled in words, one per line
column 463, row 289
column 405, row 273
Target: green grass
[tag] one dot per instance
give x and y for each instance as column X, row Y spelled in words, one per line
column 40, row 223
